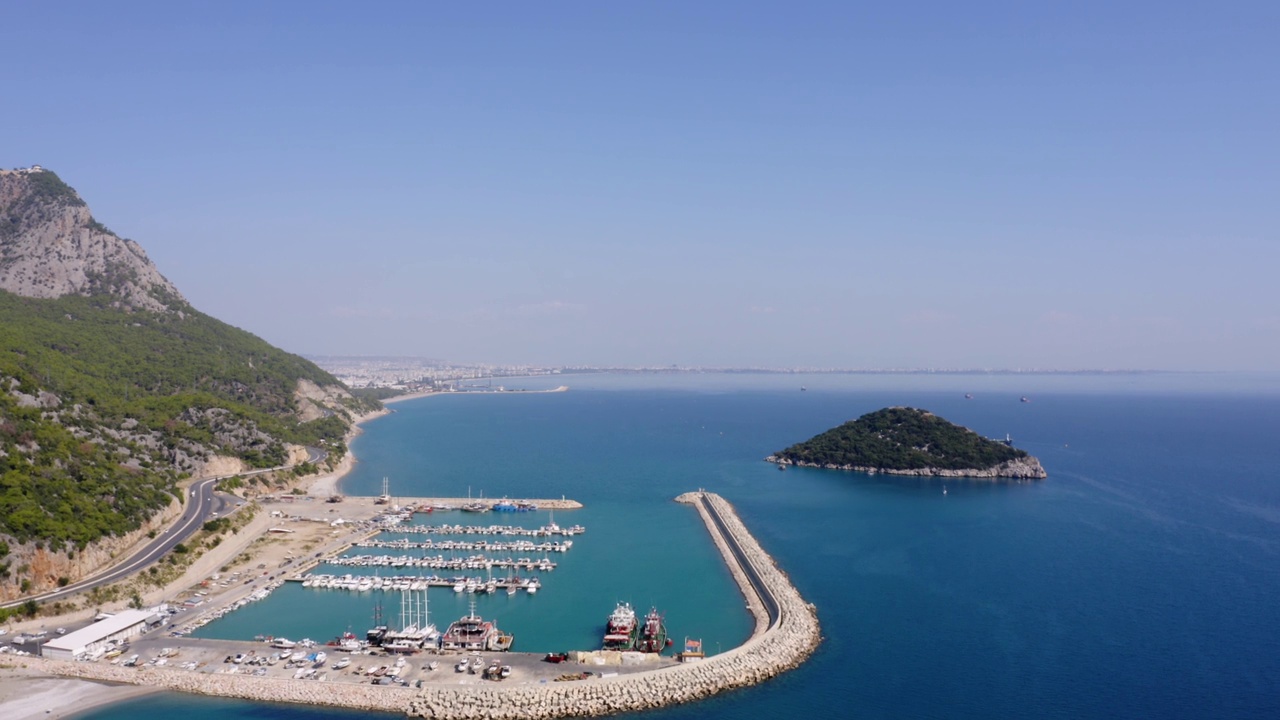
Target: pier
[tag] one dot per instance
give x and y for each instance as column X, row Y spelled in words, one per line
column 786, row 633
column 514, row 530
column 442, row 504
column 440, row 562
column 516, row 546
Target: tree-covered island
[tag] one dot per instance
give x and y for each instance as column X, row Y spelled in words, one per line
column 907, row 441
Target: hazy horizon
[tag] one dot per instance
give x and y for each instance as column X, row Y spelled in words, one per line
column 1083, row 187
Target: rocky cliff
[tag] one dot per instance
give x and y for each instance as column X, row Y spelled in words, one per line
column 51, row 246
column 113, row 388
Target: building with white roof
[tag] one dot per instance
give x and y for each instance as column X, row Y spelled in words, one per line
column 121, row 626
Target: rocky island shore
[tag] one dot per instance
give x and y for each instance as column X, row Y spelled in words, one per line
column 908, row 441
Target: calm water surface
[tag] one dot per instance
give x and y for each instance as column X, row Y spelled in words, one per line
column 1139, row 580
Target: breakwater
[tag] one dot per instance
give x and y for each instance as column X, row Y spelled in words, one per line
column 444, row 503
column 785, row 634
column 246, row 687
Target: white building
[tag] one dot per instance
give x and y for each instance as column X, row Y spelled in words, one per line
column 121, row 626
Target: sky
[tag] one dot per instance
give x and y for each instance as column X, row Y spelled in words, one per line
column 1050, row 185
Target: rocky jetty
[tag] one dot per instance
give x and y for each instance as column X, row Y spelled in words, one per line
column 779, row 644
column 786, row 634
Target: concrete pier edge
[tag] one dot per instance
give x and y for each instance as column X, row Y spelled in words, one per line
column 786, row 633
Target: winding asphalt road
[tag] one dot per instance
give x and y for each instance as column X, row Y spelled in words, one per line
column 202, row 503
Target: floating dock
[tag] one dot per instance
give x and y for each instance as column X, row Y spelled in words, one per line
column 786, row 634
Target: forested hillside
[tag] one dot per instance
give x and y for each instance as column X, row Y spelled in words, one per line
column 902, row 440
column 113, row 388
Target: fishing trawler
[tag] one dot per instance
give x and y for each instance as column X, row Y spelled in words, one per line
column 620, row 631
column 653, row 634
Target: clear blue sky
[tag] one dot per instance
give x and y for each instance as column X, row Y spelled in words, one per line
column 932, row 184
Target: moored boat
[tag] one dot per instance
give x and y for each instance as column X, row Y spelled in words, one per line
column 470, row 632
column 653, row 634
column 620, row 630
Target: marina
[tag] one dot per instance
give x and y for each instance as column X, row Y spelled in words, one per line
column 375, row 674
column 440, row 562
column 517, row 546
column 514, row 530
column 812, row 522
column 367, row 583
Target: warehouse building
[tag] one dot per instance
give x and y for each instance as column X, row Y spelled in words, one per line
column 85, row 641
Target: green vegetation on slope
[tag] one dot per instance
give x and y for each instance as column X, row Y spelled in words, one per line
column 901, row 439
column 57, row 487
column 160, row 384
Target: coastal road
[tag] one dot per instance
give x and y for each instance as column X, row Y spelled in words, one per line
column 201, row 504
column 771, row 607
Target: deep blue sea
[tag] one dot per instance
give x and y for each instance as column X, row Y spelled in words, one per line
column 1140, row 580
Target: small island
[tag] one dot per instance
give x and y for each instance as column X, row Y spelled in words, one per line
column 907, row 441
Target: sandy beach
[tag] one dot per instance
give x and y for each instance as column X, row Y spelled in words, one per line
column 327, row 484
column 28, row 694
column 28, row 691
column 415, row 396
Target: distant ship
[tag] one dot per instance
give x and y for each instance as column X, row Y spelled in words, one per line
column 1025, row 399
column 968, row 396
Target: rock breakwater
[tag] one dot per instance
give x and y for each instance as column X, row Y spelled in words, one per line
column 786, row 633
column 781, row 642
column 245, row 687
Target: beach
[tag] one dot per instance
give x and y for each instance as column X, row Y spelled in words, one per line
column 28, row 694
column 786, row 633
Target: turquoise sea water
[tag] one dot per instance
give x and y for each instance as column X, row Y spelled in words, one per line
column 1139, row 580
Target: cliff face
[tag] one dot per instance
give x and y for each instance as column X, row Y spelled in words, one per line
column 113, row 388
column 51, row 246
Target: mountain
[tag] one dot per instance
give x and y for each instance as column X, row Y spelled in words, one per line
column 53, row 247
column 113, row 387
column 907, row 441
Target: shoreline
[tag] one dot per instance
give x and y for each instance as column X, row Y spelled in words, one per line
column 787, row 633
column 1027, row 468
column 328, row 484
column 28, row 694
column 434, row 393
column 331, row 483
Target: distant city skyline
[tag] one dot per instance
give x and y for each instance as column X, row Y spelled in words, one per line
column 1083, row 187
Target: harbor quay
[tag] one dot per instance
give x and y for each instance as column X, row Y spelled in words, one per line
column 427, row 684
column 786, row 633
column 454, row 503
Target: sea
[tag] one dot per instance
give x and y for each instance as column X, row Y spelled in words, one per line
column 1139, row 580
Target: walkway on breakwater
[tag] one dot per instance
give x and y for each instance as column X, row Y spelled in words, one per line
column 786, row 633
